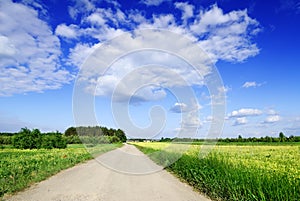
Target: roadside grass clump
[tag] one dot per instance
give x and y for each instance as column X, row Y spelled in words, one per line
column 19, row 168
column 236, row 172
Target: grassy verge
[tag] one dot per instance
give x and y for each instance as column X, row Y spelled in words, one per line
column 236, row 172
column 20, row 168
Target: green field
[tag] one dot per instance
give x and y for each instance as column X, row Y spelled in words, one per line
column 232, row 172
column 20, row 168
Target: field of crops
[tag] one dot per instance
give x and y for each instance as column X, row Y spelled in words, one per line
column 20, row 168
column 235, row 172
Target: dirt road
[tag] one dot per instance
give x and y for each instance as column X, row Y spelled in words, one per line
column 92, row 181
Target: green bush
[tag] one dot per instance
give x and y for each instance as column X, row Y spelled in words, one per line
column 27, row 139
column 72, row 139
column 114, row 139
column 53, row 140
column 5, row 140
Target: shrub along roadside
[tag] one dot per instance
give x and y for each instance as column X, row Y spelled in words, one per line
column 27, row 139
column 237, row 172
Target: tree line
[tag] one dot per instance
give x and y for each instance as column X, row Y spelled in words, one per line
column 94, row 135
column 34, row 139
column 281, row 138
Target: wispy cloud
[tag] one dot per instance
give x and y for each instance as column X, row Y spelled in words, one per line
column 179, row 108
column 80, row 7
column 272, row 112
column 252, row 84
column 153, row 2
column 240, row 121
column 290, row 6
column 183, row 107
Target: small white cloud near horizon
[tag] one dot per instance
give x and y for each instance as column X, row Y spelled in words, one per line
column 240, row 121
column 224, row 89
column 272, row 119
column 272, row 112
column 251, row 84
column 183, row 107
column 243, row 112
column 179, row 108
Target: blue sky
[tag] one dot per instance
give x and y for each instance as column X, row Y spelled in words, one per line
column 254, row 46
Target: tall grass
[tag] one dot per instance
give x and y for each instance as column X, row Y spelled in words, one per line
column 237, row 172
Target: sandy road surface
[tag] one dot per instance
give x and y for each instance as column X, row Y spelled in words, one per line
column 92, row 181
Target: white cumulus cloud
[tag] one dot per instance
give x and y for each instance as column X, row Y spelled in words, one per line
column 29, row 52
column 227, row 37
column 243, row 112
column 187, row 10
column 70, row 31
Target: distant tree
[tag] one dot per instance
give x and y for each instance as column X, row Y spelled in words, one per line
column 240, row 138
column 105, row 131
column 291, row 138
column 71, row 131
column 296, row 138
column 282, row 137
column 268, row 139
column 121, row 135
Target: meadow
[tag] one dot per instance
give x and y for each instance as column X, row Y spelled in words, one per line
column 233, row 172
column 19, row 168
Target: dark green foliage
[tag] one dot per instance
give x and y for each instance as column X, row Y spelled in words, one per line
column 94, row 135
column 121, row 135
column 72, row 139
column 53, row 140
column 5, row 140
column 282, row 137
column 114, row 139
column 238, row 140
column 71, row 132
column 27, row 139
